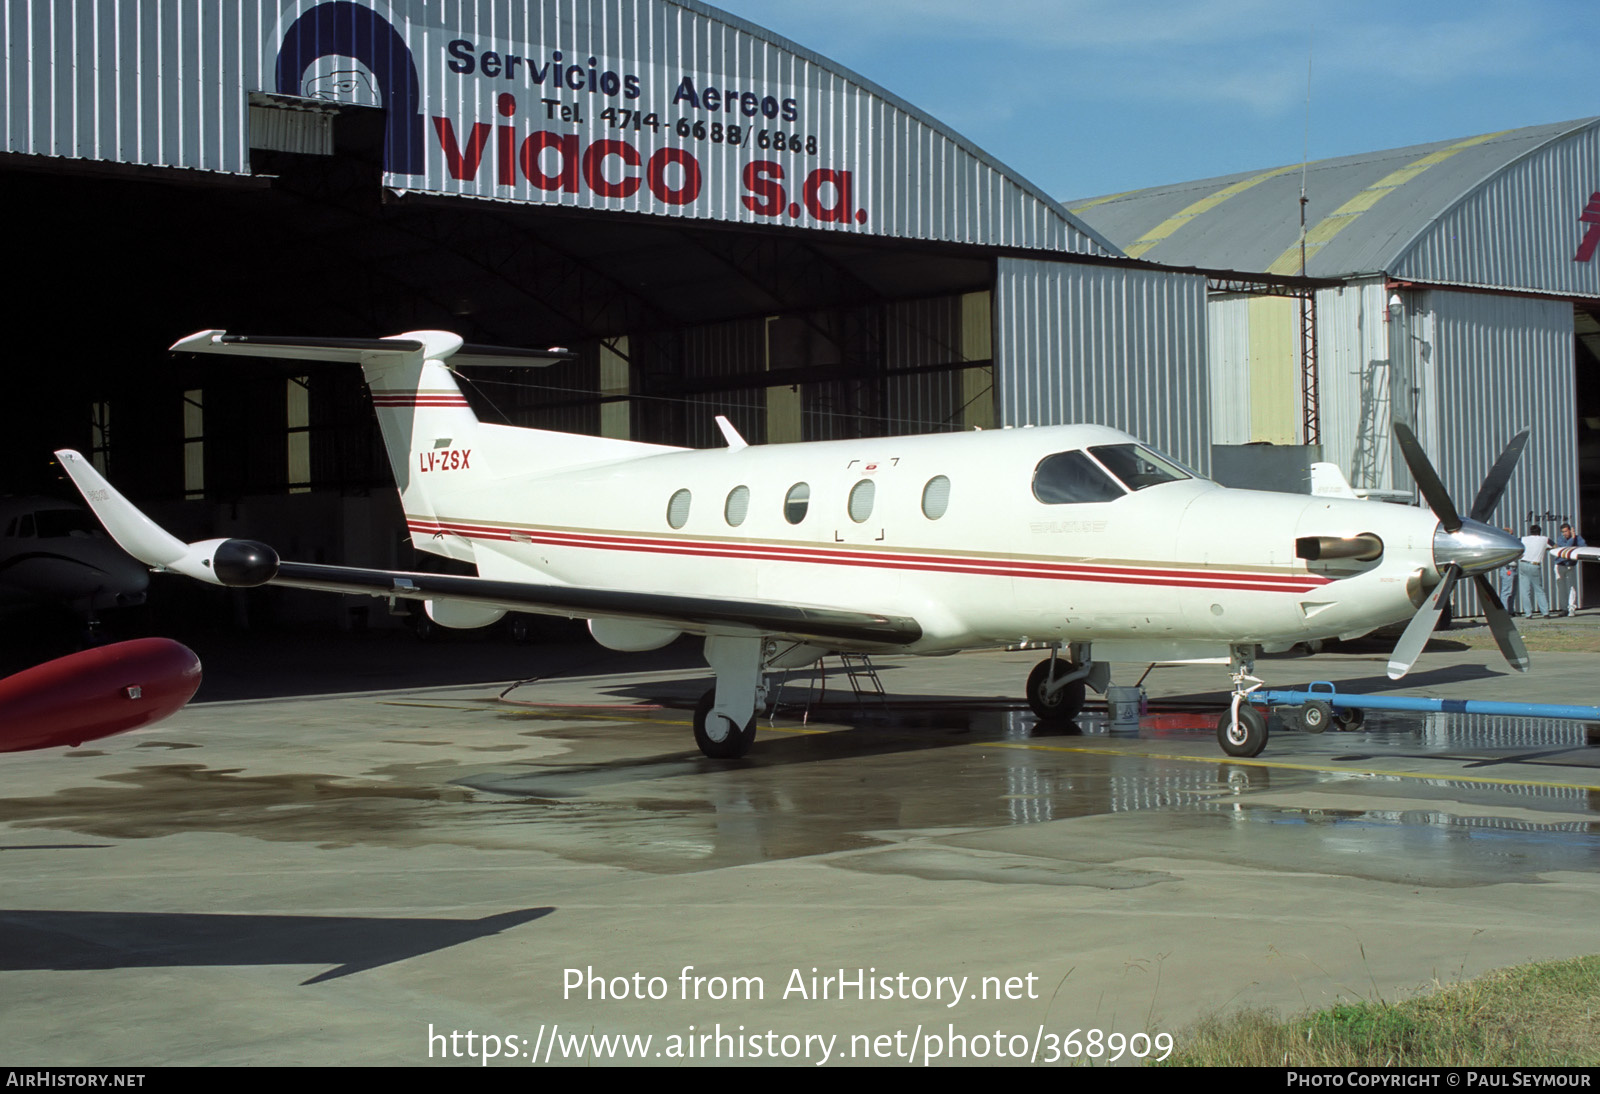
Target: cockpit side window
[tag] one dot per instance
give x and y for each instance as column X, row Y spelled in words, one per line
column 1070, row 478
column 1136, row 465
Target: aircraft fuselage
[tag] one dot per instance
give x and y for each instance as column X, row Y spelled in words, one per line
column 1183, row 561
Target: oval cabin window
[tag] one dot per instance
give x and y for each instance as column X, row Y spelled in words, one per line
column 936, row 497
column 738, row 506
column 796, row 502
column 861, row 496
column 678, row 509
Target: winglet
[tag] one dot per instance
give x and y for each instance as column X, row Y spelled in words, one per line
column 134, row 532
column 236, row 562
column 731, row 435
column 201, row 341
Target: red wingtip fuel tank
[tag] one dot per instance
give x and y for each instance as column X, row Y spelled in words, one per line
column 95, row 693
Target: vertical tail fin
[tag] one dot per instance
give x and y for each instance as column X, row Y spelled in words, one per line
column 429, row 430
column 427, row 424
column 438, row 449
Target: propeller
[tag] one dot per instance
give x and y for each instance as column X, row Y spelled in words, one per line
column 1462, row 548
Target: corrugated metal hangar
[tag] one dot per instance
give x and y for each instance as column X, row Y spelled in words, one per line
column 718, row 221
column 1460, row 295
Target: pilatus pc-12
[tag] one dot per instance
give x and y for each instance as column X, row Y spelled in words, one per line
column 1076, row 537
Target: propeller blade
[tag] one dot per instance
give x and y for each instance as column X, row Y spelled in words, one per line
column 1500, row 625
column 1420, row 629
column 1494, row 484
column 1427, row 481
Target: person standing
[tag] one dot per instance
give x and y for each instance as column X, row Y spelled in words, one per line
column 1530, row 572
column 1567, row 572
column 1508, row 582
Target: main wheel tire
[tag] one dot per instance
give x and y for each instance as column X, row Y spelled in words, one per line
column 1067, row 703
column 1248, row 738
column 732, row 746
column 1316, row 716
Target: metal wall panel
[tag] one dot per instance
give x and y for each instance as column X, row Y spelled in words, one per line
column 664, row 107
column 1502, row 363
column 1118, row 347
column 1353, row 382
column 160, row 82
column 1228, row 338
column 1506, row 362
column 1520, row 228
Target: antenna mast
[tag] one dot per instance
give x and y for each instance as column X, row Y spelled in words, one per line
column 1309, row 398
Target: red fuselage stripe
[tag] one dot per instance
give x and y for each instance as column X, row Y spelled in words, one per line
column 1132, row 575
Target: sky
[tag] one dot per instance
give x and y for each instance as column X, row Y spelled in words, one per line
column 1093, row 97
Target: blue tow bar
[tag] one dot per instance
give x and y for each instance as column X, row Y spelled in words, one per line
column 1322, row 691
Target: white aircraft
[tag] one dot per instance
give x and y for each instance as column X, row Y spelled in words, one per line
column 52, row 552
column 1078, row 537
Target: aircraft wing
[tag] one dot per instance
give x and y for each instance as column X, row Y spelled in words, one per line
column 689, row 612
column 244, row 564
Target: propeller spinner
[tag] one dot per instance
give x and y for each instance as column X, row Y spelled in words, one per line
column 1462, row 547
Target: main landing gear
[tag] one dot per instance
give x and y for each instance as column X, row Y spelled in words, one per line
column 725, row 717
column 1057, row 686
column 716, row 735
column 1242, row 729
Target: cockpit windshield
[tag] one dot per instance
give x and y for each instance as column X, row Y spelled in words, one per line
column 1137, row 466
column 55, row 523
column 1069, row 478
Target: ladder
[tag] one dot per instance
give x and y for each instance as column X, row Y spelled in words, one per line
column 857, row 668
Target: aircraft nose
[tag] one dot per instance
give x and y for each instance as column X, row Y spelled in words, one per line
column 1476, row 548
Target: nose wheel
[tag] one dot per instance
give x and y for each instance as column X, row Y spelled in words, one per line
column 1242, row 729
column 1244, row 734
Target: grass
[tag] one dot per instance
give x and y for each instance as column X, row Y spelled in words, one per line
column 1538, row 635
column 1545, row 1015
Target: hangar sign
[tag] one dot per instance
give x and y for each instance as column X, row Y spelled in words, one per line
column 549, row 121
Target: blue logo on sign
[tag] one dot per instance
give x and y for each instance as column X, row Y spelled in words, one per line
column 340, row 50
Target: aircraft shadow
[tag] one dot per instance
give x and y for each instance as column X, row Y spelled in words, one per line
column 69, row 940
column 901, row 725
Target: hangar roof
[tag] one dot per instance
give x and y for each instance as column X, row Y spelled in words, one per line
column 1498, row 210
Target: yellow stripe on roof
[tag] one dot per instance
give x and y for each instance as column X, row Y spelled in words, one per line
column 1211, row 201
column 1076, row 209
column 1345, row 215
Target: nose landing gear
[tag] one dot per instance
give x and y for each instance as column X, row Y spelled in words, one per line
column 1242, row 729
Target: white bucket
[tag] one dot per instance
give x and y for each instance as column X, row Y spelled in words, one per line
column 1124, row 705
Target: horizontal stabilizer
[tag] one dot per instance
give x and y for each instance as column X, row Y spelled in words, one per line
column 435, row 345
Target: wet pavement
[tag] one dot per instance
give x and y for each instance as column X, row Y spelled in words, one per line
column 320, row 879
